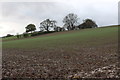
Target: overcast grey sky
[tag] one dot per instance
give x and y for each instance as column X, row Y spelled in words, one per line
column 15, row 16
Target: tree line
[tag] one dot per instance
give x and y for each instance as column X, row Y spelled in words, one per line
column 48, row 26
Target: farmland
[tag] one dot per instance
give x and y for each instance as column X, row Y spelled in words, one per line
column 60, row 54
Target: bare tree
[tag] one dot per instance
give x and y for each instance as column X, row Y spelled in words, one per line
column 47, row 24
column 70, row 20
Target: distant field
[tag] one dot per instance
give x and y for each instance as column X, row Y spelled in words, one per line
column 86, row 37
column 60, row 54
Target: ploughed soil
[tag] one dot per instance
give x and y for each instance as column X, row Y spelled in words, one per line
column 82, row 62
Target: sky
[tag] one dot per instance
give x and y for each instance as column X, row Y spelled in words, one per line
column 16, row 15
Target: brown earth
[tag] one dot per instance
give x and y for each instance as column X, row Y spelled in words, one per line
column 58, row 63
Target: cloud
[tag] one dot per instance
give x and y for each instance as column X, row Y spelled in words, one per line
column 17, row 15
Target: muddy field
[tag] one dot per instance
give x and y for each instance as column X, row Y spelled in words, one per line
column 60, row 63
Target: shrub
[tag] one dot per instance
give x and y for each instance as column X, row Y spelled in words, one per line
column 25, row 35
column 35, row 34
column 9, row 35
